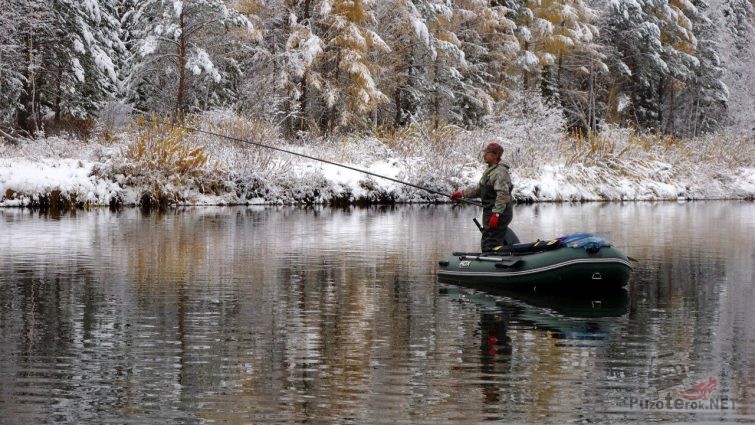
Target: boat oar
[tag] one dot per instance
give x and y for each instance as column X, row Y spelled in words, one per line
column 359, row 170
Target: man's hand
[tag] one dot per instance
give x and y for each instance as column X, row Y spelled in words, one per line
column 493, row 222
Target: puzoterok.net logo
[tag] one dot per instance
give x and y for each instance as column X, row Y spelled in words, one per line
column 671, row 403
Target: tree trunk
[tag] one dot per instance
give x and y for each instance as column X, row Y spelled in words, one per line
column 525, row 72
column 181, row 93
column 303, row 103
column 304, row 86
column 59, row 90
column 25, row 119
column 661, row 99
column 436, row 96
column 397, row 102
column 670, row 122
column 591, row 120
column 696, row 116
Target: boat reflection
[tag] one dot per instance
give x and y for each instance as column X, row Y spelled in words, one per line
column 561, row 316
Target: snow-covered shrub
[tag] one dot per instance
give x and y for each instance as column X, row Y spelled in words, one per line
column 437, row 158
column 237, row 142
column 165, row 165
column 112, row 118
column 530, row 130
column 166, row 152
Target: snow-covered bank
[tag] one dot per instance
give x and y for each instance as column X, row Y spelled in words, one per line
column 94, row 174
column 29, row 182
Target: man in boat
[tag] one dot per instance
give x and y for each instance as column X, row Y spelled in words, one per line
column 494, row 190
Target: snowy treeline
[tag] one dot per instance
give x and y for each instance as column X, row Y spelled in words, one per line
column 681, row 67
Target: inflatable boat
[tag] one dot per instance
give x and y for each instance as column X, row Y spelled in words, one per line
column 579, row 261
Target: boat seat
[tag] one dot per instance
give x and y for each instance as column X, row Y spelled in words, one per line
column 520, row 248
column 529, row 248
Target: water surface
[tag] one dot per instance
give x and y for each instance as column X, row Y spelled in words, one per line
column 281, row 315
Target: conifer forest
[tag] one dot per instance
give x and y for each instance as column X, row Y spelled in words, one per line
column 673, row 67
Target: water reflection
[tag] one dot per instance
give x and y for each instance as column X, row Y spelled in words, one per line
column 577, row 317
column 566, row 333
column 280, row 315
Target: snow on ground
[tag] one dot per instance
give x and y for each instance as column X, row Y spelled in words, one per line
column 39, row 178
column 96, row 174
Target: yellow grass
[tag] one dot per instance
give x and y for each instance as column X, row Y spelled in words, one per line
column 164, row 148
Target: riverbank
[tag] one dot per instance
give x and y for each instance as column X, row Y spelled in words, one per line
column 148, row 165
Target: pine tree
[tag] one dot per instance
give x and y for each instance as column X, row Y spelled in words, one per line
column 702, row 100
column 85, row 73
column 68, row 49
column 299, row 73
column 11, row 60
column 488, row 42
column 734, row 20
column 446, row 61
column 183, row 54
column 655, row 47
column 402, row 24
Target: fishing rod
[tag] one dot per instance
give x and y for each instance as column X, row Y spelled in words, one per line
column 211, row 133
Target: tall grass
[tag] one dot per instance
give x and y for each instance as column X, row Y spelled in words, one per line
column 158, row 164
column 166, row 151
column 165, row 163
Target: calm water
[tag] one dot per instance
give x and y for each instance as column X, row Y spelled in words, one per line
column 281, row 315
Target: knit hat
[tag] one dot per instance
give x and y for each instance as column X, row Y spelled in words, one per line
column 494, row 148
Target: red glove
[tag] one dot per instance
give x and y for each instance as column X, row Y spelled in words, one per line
column 493, row 222
column 456, row 196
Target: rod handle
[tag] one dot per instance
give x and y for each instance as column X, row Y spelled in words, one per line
column 479, row 226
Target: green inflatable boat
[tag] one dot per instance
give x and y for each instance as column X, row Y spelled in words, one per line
column 575, row 262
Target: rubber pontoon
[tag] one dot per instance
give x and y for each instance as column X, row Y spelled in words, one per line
column 574, row 262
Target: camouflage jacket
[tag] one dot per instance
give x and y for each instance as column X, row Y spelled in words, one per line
column 494, row 188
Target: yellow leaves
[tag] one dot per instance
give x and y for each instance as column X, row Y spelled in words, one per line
column 352, row 10
column 558, row 27
column 250, row 7
column 165, row 150
column 558, row 43
column 676, row 27
column 351, row 38
column 351, row 45
column 449, row 37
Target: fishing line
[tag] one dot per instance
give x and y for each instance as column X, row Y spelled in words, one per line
column 262, row 145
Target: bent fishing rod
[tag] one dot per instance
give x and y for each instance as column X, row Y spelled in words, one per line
column 262, row 145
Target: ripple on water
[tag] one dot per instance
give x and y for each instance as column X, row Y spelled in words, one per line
column 265, row 315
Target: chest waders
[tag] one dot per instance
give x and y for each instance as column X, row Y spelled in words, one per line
column 492, row 238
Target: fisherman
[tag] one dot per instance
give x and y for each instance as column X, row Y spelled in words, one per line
column 494, row 190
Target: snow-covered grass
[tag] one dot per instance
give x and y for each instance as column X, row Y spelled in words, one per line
column 166, row 164
column 152, row 163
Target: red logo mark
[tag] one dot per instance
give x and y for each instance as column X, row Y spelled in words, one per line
column 701, row 390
